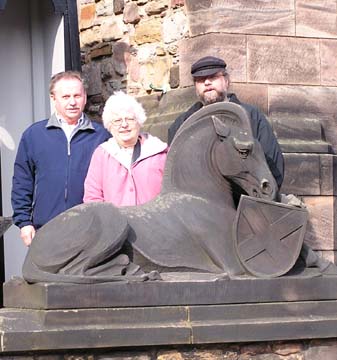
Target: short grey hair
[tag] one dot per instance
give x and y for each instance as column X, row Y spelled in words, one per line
column 119, row 102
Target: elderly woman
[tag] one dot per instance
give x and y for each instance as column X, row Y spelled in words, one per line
column 128, row 168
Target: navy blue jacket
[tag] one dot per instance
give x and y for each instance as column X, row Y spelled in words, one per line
column 261, row 129
column 49, row 173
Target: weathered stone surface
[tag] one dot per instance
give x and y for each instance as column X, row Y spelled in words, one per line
column 326, row 351
column 283, row 60
column 166, row 108
column 174, row 77
column 312, row 100
column 156, row 73
column 330, row 255
column 254, row 349
column 312, row 350
column 134, row 70
column 121, row 57
column 146, row 52
column 148, row 31
column 296, row 128
column 177, row 3
column 131, row 13
column 254, row 94
column 170, row 355
column 118, row 6
column 328, row 68
column 28, row 329
column 82, row 2
column 101, row 50
column 160, row 51
column 300, row 134
column 104, row 8
column 316, row 18
column 308, row 174
column 90, row 36
column 163, row 109
column 234, row 54
column 285, row 349
column 40, row 330
column 195, row 289
column 173, row 50
column 87, row 16
column 112, row 29
column 174, row 27
column 107, row 70
column 93, row 77
column 192, row 6
column 242, row 16
column 203, row 317
column 156, row 7
column 321, row 229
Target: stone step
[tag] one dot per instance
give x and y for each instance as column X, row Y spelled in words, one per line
column 165, row 313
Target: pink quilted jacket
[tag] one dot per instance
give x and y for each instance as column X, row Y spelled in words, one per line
column 109, row 180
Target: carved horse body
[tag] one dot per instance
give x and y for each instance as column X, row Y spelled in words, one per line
column 188, row 225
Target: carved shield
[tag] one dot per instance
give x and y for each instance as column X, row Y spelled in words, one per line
column 268, row 236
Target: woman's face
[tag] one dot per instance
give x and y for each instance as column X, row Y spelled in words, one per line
column 125, row 128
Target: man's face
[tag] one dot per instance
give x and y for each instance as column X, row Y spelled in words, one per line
column 212, row 88
column 69, row 98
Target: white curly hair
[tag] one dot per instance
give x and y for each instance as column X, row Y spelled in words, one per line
column 121, row 102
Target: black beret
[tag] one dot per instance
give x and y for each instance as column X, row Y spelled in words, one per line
column 207, row 65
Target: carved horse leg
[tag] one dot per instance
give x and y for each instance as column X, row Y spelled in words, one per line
column 80, row 246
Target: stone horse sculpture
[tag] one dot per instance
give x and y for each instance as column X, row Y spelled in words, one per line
column 187, row 227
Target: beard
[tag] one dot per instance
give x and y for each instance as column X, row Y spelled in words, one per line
column 211, row 97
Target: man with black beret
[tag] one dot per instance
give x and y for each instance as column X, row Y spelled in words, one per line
column 211, row 82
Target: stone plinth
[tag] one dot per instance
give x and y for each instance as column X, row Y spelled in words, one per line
column 198, row 309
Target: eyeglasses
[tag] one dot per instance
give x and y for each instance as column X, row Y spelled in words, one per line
column 118, row 122
column 201, row 79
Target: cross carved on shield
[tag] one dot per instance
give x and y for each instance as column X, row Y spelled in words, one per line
column 268, row 236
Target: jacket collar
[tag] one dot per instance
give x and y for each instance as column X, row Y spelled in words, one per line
column 86, row 124
column 150, row 145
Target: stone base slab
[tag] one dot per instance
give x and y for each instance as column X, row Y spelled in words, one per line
column 34, row 330
column 198, row 309
column 182, row 289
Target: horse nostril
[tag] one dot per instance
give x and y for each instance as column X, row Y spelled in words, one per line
column 265, row 186
column 255, row 193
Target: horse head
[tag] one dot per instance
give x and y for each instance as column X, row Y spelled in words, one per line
column 238, row 156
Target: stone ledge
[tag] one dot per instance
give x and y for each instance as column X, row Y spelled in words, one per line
column 194, row 289
column 199, row 309
column 35, row 330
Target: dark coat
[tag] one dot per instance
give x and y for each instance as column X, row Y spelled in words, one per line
column 262, row 131
column 48, row 174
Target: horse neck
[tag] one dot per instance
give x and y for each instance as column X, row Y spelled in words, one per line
column 189, row 166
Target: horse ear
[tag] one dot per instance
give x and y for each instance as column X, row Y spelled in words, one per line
column 220, row 128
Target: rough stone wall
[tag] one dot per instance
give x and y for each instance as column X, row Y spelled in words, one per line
column 304, row 350
column 130, row 45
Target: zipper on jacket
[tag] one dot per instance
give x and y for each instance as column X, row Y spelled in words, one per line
column 134, row 184
column 68, row 165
